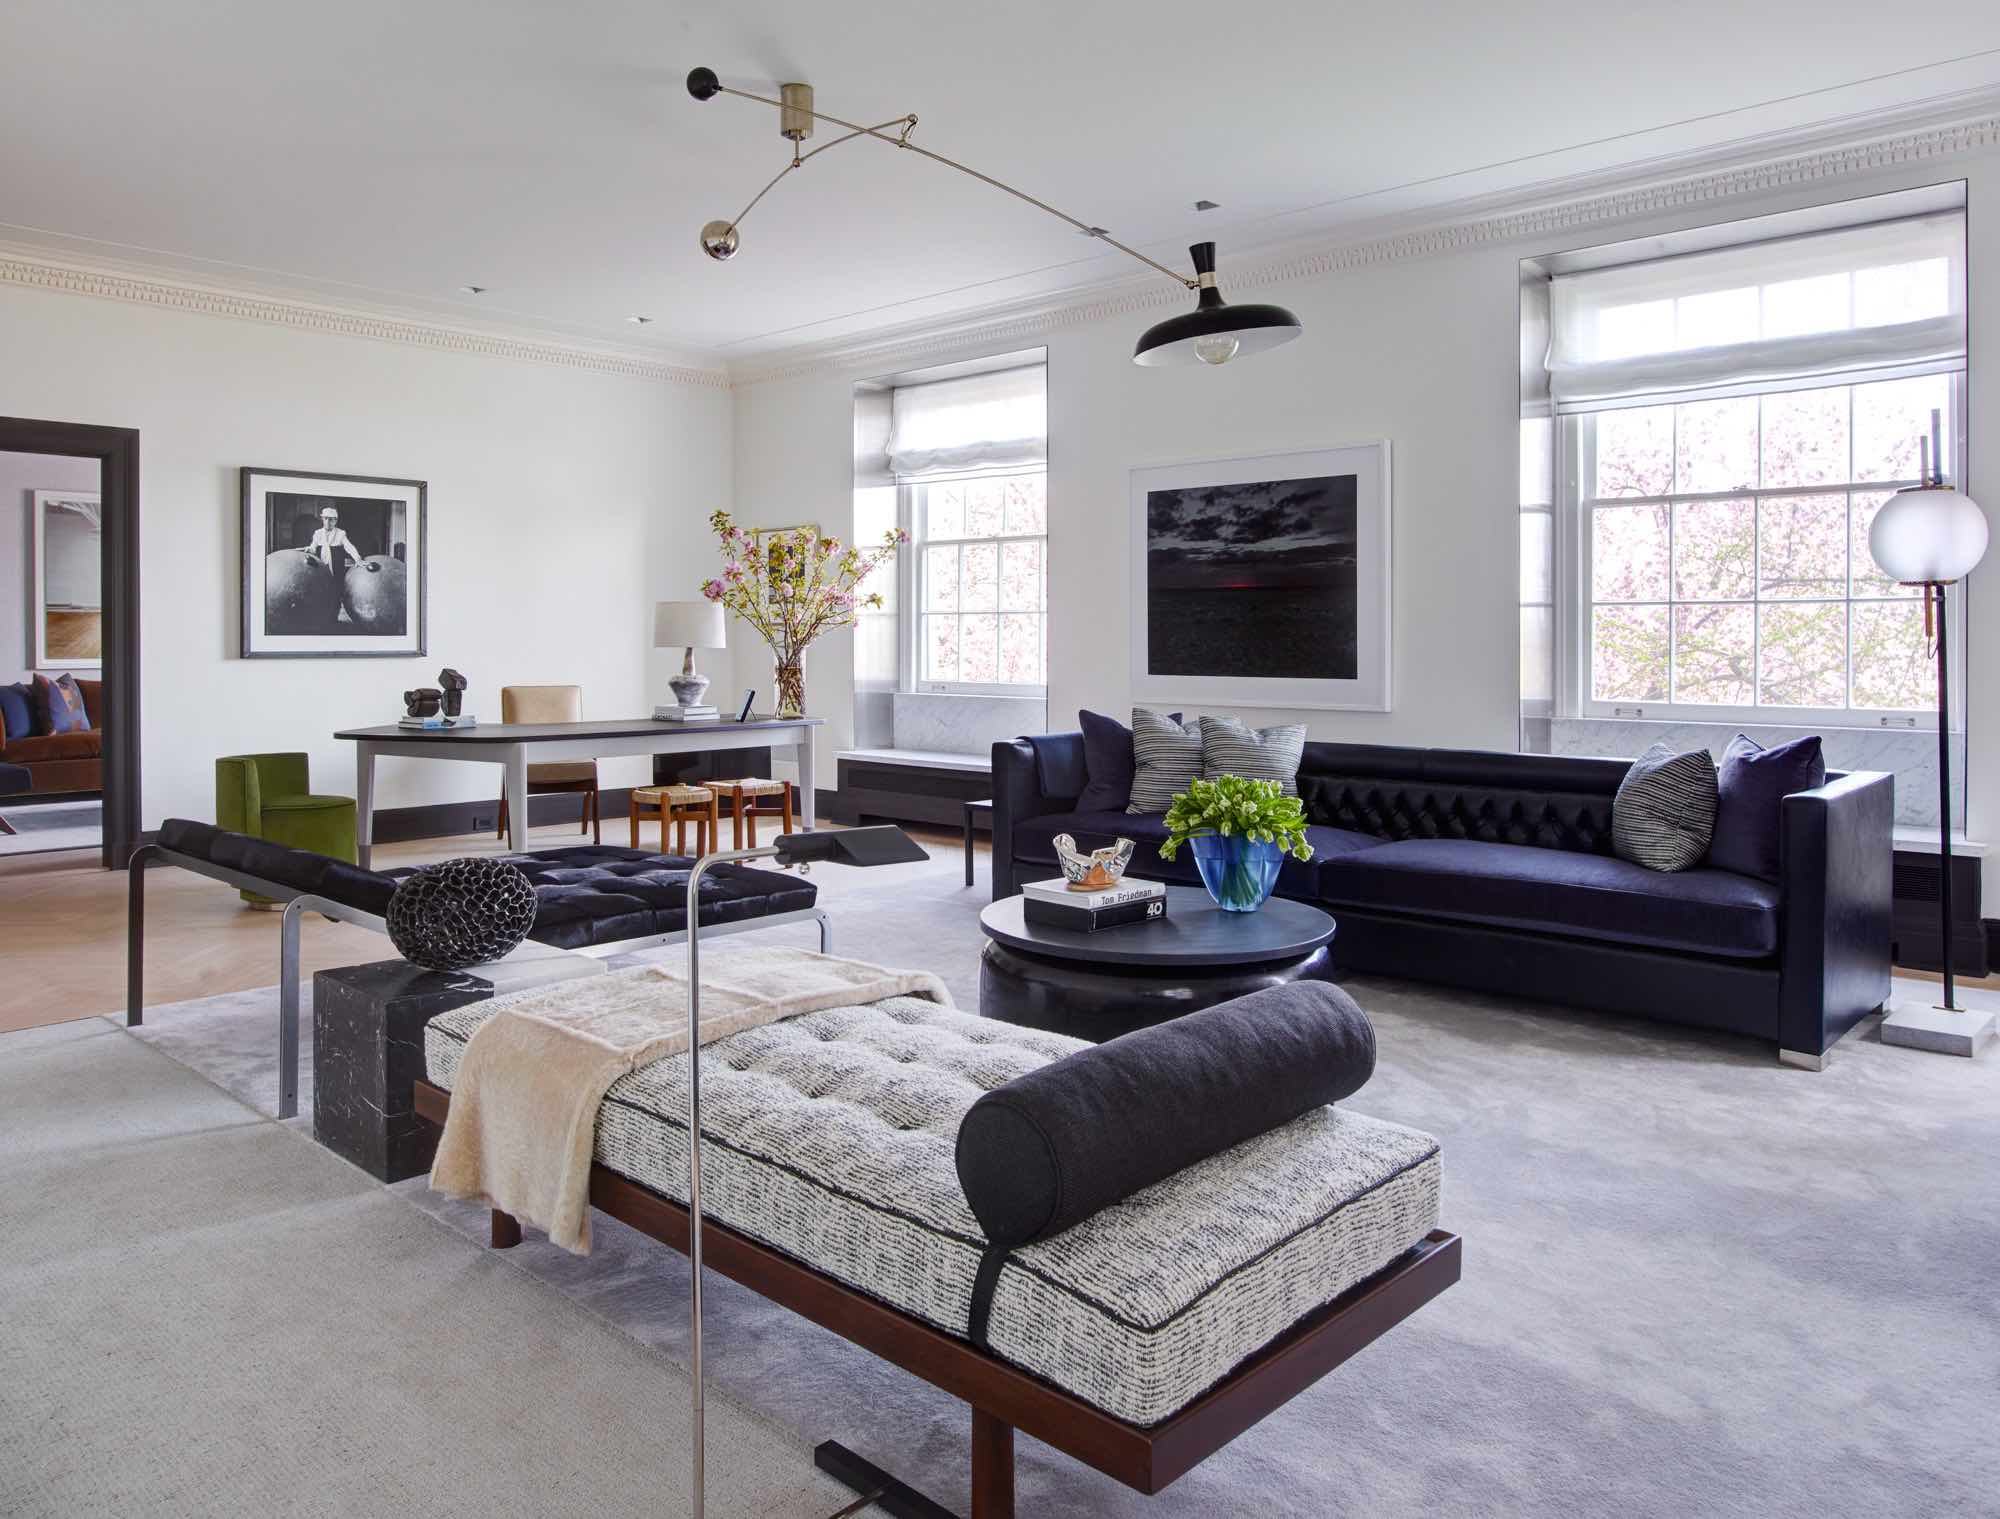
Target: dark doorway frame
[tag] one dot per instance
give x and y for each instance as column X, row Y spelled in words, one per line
column 116, row 450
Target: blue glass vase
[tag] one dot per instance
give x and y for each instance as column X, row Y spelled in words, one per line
column 1238, row 872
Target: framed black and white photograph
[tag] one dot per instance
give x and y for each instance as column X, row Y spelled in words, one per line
column 1263, row 582
column 333, row 566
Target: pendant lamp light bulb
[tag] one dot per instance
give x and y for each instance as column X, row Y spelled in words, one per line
column 1219, row 348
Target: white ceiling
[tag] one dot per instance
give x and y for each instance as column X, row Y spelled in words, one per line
column 390, row 151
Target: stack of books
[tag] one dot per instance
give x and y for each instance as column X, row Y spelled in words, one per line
column 439, row 720
column 699, row 714
column 1053, row 905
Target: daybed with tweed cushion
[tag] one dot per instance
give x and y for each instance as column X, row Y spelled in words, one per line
column 1139, row 1340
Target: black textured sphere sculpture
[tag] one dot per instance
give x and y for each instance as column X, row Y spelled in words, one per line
column 460, row 913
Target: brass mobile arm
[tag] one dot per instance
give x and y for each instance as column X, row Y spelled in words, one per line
column 1213, row 333
column 796, row 115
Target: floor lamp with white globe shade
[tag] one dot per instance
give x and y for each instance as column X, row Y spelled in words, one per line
column 1931, row 536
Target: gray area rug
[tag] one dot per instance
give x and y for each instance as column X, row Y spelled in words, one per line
column 206, row 1315
column 1696, row 1282
column 48, row 826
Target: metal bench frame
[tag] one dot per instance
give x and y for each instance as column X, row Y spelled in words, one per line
column 299, row 902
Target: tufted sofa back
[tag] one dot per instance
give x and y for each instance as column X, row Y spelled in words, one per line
column 1548, row 801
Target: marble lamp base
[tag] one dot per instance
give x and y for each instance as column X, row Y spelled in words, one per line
column 689, row 688
column 1943, row 1031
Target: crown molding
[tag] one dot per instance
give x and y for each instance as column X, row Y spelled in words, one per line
column 36, row 270
column 1828, row 153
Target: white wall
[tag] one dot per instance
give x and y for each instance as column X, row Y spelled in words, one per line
column 1423, row 352
column 560, row 508
column 21, row 475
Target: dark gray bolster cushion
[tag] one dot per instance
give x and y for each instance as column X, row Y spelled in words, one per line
column 1071, row 1138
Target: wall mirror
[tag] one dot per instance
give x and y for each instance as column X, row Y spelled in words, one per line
column 68, row 581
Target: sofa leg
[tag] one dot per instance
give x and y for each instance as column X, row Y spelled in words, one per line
column 506, row 1230
column 1802, row 1060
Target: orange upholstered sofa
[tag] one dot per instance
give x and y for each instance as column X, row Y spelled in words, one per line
column 62, row 761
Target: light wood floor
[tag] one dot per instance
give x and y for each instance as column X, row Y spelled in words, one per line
column 64, row 929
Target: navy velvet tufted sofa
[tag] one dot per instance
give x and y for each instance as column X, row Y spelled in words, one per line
column 1494, row 871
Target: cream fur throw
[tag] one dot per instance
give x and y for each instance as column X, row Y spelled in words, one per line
column 523, row 1122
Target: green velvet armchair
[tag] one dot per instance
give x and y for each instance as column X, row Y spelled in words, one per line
column 270, row 796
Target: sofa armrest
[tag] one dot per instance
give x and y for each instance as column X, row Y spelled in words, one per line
column 1836, row 854
column 1019, row 765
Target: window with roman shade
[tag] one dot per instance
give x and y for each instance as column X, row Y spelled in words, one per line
column 969, row 456
column 1729, row 421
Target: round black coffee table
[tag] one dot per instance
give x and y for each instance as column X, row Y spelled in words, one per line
column 1097, row 986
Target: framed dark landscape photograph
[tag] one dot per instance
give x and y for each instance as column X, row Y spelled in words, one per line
column 333, row 566
column 1263, row 582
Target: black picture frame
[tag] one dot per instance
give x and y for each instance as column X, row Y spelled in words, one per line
column 258, row 640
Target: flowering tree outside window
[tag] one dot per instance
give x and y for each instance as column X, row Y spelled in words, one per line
column 982, row 582
column 1727, row 550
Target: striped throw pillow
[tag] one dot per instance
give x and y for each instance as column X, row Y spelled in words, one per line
column 1229, row 747
column 1166, row 756
column 1664, row 814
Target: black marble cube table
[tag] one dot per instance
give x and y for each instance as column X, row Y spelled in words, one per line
column 368, row 1048
column 368, row 1054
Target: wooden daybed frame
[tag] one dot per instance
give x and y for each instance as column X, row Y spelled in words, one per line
column 1003, row 1397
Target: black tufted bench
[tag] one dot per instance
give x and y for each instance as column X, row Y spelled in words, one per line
column 1494, row 871
column 594, row 900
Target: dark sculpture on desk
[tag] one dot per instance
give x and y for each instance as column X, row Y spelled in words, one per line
column 422, row 702
column 454, row 690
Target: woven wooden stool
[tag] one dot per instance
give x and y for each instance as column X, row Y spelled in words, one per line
column 679, row 805
column 742, row 797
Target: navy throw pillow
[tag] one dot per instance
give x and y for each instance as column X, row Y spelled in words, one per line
column 1751, row 785
column 17, row 712
column 60, row 705
column 1107, row 763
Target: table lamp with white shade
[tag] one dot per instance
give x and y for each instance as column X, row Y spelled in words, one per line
column 1931, row 536
column 691, row 625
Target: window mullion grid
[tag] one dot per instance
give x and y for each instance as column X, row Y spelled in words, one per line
column 1673, row 620
column 1673, row 481
column 1757, row 570
column 1776, row 492
column 1847, row 522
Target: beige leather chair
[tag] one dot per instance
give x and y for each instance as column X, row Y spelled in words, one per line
column 553, row 704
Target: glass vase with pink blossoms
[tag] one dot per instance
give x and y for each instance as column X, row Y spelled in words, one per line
column 792, row 586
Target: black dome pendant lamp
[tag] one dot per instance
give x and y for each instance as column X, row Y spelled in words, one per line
column 1215, row 331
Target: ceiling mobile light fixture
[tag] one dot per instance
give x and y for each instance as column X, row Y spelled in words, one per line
column 1213, row 333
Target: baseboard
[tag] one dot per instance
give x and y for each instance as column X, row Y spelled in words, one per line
column 445, row 820
column 50, row 798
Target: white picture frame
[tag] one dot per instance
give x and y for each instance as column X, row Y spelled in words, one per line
column 74, row 570
column 1203, row 537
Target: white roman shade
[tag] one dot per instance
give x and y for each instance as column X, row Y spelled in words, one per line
column 1831, row 308
column 981, row 422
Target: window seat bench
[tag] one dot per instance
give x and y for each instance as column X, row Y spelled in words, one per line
column 910, row 785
